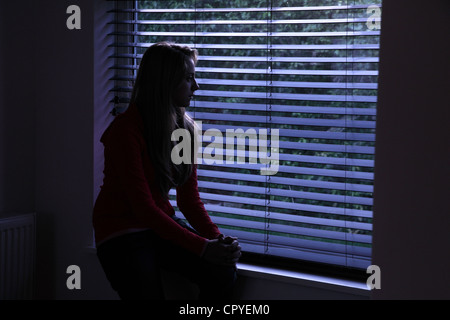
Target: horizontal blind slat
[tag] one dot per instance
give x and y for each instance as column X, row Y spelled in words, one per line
column 282, row 108
column 259, row 22
column 350, row 123
column 246, row 34
column 246, row 46
column 299, row 170
column 349, row 72
column 243, row 9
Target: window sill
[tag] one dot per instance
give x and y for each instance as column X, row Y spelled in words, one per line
column 304, row 279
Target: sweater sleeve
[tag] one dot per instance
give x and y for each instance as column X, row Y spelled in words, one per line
column 190, row 204
column 123, row 149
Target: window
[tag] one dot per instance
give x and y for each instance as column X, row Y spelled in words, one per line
column 296, row 79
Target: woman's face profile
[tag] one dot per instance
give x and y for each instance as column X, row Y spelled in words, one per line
column 185, row 90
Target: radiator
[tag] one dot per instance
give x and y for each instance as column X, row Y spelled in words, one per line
column 17, row 256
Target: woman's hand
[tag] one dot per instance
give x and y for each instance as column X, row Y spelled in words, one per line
column 224, row 251
column 227, row 239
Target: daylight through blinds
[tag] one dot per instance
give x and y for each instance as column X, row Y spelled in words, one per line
column 287, row 107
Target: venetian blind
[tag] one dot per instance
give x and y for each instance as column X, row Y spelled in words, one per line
column 292, row 86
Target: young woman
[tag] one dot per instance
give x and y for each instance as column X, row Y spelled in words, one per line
column 136, row 230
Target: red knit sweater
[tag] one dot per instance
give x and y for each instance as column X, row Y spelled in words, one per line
column 130, row 199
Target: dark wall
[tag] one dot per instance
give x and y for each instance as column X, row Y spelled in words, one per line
column 52, row 83
column 412, row 164
column 18, row 109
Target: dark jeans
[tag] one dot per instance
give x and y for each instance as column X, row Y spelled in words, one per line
column 132, row 264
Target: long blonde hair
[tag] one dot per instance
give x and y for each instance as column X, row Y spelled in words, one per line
column 162, row 68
